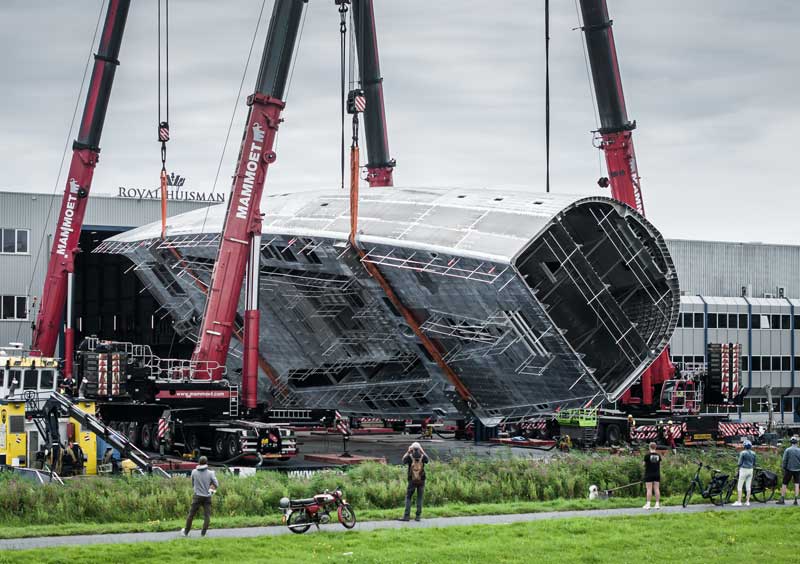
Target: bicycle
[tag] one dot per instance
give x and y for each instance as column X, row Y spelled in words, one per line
column 762, row 488
column 716, row 486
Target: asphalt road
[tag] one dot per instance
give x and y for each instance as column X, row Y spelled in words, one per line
column 52, row 542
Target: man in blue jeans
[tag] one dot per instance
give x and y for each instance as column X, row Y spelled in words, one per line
column 416, row 459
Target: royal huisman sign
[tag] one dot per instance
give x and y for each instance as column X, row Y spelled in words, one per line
column 175, row 192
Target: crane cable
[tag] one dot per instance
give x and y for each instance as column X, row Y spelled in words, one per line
column 343, row 8
column 547, row 91
column 163, row 126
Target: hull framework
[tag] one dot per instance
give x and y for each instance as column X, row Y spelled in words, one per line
column 538, row 302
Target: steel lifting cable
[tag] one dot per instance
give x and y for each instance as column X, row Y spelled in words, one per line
column 343, row 8
column 547, row 91
column 163, row 125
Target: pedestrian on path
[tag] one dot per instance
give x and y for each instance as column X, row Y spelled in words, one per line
column 416, row 459
column 652, row 476
column 204, row 484
column 747, row 462
column 791, row 471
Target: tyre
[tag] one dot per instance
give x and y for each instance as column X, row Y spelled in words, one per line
column 133, row 432
column 232, row 447
column 762, row 493
column 718, row 498
column 347, row 517
column 613, row 434
column 687, row 498
column 192, row 445
column 219, row 446
column 146, row 436
column 298, row 521
column 729, row 491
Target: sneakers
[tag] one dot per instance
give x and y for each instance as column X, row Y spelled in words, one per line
column 646, row 505
column 418, row 518
column 781, row 501
column 737, row 504
column 795, row 502
column 658, row 505
column 747, row 503
column 404, row 519
column 184, row 532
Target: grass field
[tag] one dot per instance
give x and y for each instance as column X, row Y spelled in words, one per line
column 765, row 535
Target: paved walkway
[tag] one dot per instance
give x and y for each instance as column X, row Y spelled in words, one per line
column 48, row 542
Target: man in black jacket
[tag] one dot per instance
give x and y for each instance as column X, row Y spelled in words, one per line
column 416, row 459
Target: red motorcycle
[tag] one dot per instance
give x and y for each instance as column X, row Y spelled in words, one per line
column 300, row 514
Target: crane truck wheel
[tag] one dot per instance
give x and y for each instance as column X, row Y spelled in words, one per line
column 232, row 448
column 219, row 446
column 147, row 436
column 133, row 432
column 613, row 434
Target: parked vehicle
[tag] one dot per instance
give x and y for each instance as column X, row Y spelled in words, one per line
column 762, row 488
column 716, row 490
column 300, row 514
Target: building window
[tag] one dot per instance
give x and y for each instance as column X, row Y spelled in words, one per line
column 744, row 364
column 733, row 321
column 13, row 308
column 786, row 321
column 742, row 321
column 712, row 320
column 756, row 364
column 776, row 363
column 786, row 363
column 755, row 321
column 722, row 321
column 797, row 322
column 687, row 321
column 698, row 321
column 14, row 241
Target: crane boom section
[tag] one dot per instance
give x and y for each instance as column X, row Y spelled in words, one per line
column 85, row 153
column 243, row 218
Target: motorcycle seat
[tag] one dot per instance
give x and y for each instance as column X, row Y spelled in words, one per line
column 308, row 501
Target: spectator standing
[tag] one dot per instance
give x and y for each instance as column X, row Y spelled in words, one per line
column 416, row 459
column 652, row 476
column 791, row 471
column 747, row 463
column 204, row 484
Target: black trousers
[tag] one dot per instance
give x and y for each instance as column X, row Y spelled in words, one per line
column 197, row 502
column 420, row 489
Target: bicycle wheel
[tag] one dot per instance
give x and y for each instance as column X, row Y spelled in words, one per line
column 718, row 497
column 689, row 493
column 762, row 493
column 729, row 488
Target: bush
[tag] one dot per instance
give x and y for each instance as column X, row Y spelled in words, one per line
column 368, row 486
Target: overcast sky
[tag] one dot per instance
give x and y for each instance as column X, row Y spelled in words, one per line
column 713, row 86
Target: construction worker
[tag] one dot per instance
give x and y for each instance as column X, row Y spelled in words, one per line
column 670, row 433
column 791, row 471
column 631, row 426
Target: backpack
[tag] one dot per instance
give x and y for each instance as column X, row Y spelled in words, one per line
column 417, row 471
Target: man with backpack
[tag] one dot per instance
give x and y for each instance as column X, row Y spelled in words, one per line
column 416, row 459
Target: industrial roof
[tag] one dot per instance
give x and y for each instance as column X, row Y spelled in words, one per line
column 491, row 224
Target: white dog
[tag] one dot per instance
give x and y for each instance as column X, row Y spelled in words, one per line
column 593, row 492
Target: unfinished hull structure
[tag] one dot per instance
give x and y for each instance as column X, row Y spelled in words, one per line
column 536, row 301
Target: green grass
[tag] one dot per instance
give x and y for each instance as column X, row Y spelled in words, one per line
column 368, row 487
column 449, row 510
column 740, row 536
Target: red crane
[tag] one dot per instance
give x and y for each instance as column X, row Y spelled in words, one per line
column 85, row 154
column 616, row 141
column 240, row 243
column 380, row 165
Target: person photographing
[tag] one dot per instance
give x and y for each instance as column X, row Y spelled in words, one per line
column 416, row 459
column 204, row 484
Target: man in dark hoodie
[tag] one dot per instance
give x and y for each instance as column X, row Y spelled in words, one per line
column 204, row 484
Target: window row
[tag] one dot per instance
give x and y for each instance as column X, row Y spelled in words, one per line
column 760, row 363
column 14, row 241
column 770, row 363
column 13, row 308
column 737, row 321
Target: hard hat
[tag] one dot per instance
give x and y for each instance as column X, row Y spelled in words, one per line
column 669, row 422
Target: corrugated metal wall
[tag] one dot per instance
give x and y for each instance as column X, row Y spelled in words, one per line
column 712, row 268
column 34, row 212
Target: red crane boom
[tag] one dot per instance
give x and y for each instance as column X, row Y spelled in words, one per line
column 242, row 229
column 616, row 142
column 85, row 154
